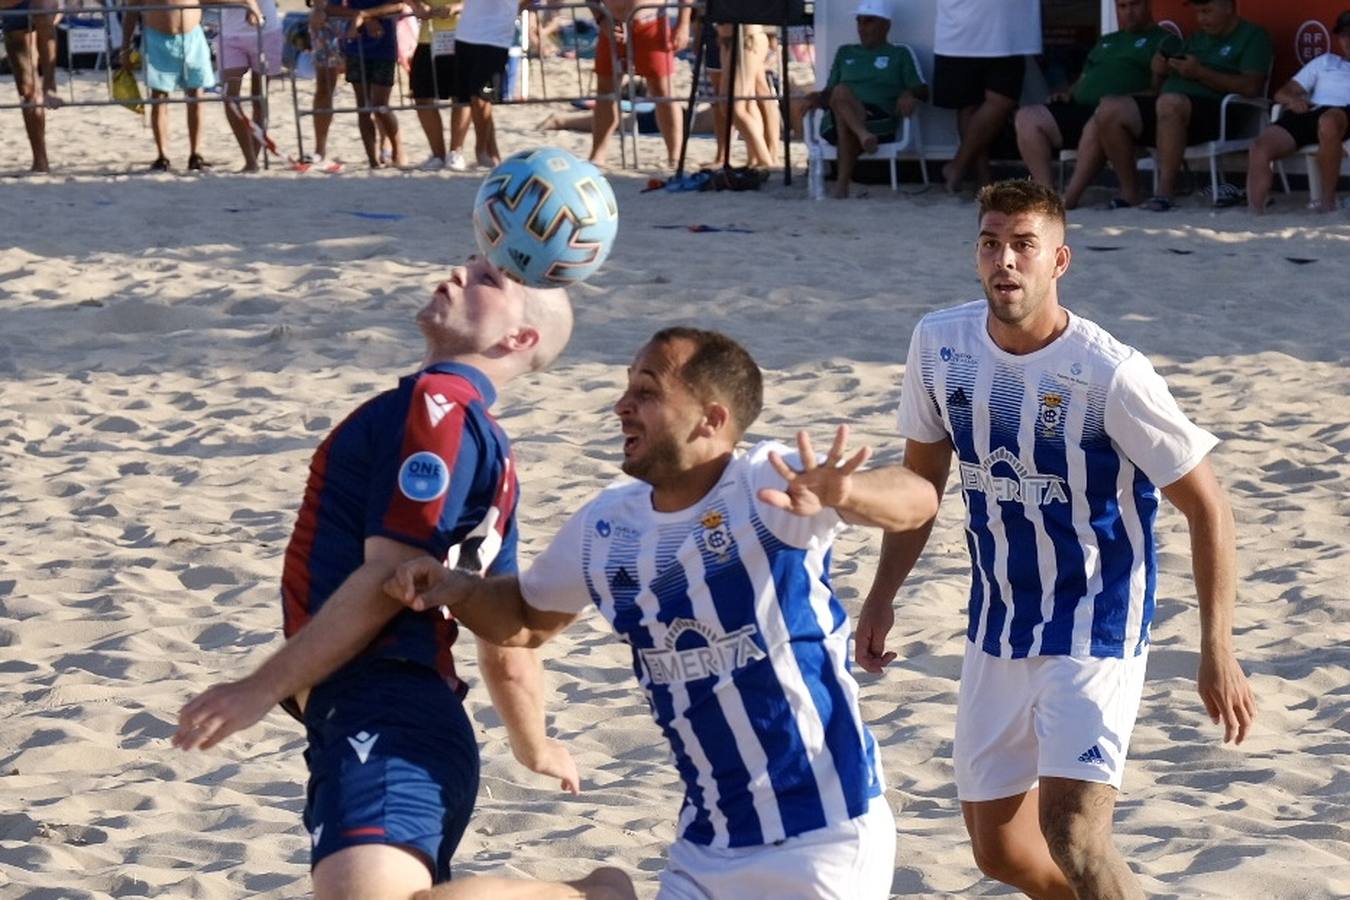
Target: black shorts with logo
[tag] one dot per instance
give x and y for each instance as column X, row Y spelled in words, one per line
column 479, row 71
column 960, row 81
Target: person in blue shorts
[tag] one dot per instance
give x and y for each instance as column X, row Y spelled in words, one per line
column 420, row 469
column 1064, row 438
column 177, row 58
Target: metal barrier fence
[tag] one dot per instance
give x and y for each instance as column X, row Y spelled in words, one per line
column 214, row 9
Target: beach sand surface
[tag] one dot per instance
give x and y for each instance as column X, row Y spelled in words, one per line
column 176, row 347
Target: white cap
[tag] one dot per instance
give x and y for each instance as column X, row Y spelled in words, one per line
column 880, row 8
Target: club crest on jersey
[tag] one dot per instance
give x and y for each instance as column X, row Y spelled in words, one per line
column 695, row 650
column 423, row 476
column 1024, row 485
column 1052, row 412
column 716, row 536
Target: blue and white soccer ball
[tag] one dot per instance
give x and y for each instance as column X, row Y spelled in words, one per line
column 546, row 218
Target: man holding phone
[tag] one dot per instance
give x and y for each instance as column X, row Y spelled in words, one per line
column 1226, row 55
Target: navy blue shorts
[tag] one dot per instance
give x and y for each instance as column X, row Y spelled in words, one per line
column 392, row 760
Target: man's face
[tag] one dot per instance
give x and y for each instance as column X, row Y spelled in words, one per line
column 658, row 413
column 872, row 30
column 1343, row 41
column 1214, row 17
column 1133, row 14
column 473, row 309
column 1019, row 258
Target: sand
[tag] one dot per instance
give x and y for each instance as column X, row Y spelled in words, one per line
column 175, row 347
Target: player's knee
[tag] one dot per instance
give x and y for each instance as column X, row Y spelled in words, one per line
column 1000, row 860
column 1331, row 126
column 1173, row 107
column 1074, row 842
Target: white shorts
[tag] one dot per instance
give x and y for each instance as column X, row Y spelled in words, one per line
column 240, row 51
column 1018, row 720
column 854, row 860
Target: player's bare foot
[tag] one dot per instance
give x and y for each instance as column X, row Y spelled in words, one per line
column 951, row 178
column 607, row 883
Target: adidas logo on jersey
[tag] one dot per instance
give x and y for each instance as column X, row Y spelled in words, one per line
column 437, row 407
column 622, row 581
column 958, row 398
column 1093, row 756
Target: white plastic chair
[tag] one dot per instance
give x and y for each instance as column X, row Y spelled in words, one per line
column 908, row 140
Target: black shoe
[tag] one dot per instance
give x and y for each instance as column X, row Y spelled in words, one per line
column 197, row 164
column 161, row 164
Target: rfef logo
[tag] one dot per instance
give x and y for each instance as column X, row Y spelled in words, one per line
column 1310, row 41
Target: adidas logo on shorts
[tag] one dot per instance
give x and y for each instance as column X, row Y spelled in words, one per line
column 1092, row 755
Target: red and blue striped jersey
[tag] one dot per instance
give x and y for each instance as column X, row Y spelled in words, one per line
column 424, row 464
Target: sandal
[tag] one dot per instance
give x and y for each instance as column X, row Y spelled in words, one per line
column 161, row 164
column 197, row 164
column 1157, row 204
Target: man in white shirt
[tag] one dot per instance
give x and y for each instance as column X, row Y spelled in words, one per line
column 979, row 60
column 487, row 28
column 1316, row 105
column 1064, row 438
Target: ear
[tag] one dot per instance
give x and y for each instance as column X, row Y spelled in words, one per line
column 1062, row 257
column 716, row 420
column 525, row 337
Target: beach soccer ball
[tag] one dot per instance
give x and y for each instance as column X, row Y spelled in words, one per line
column 545, row 218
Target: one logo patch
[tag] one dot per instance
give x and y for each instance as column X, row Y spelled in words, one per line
column 423, row 476
column 716, row 537
column 1092, row 756
column 882, row 62
column 602, row 528
column 1052, row 411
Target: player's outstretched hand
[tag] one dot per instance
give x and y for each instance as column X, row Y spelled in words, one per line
column 815, row 487
column 869, row 640
column 1226, row 693
column 219, row 712
column 556, row 762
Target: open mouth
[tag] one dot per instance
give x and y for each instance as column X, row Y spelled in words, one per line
column 1006, row 288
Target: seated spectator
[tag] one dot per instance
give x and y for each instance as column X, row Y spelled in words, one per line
column 30, row 46
column 980, row 50
column 177, row 58
column 872, row 85
column 1316, row 105
column 239, row 55
column 1227, row 55
column 1118, row 64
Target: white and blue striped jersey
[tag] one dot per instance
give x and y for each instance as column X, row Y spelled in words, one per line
column 1059, row 453
column 739, row 642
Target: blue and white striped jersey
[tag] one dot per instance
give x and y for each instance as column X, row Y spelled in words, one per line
column 1059, row 453
column 740, row 643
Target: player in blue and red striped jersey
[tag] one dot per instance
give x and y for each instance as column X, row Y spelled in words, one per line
column 420, row 469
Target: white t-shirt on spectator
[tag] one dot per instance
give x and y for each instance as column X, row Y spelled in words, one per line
column 491, row 22
column 988, row 28
column 235, row 21
column 1327, row 80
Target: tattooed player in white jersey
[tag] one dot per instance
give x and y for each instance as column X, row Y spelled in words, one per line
column 1061, row 433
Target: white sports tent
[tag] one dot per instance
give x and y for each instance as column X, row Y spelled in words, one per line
column 912, row 22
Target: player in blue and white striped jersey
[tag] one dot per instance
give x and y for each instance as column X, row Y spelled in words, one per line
column 1063, row 437
column 714, row 567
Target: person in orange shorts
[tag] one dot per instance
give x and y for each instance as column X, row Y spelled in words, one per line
column 654, row 47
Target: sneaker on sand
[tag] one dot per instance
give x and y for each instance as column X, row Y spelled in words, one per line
column 455, row 162
column 432, row 164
